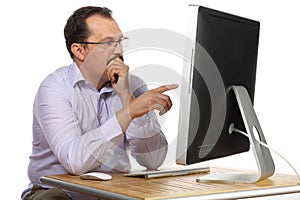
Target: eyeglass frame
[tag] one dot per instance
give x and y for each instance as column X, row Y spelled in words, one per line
column 107, row 43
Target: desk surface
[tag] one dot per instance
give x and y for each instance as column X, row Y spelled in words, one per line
column 121, row 187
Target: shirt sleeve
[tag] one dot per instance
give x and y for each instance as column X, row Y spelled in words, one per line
column 147, row 142
column 76, row 151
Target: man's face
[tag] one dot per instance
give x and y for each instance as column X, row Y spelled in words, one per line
column 97, row 57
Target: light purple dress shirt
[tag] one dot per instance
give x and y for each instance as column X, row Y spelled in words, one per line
column 75, row 129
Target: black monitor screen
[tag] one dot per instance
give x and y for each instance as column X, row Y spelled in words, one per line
column 232, row 44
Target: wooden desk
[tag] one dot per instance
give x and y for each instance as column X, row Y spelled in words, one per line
column 174, row 187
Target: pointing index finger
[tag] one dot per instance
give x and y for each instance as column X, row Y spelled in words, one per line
column 164, row 88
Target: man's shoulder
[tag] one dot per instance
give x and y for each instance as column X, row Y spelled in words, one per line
column 60, row 77
column 135, row 79
column 137, row 85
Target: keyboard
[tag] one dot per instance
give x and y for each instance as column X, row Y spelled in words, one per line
column 177, row 170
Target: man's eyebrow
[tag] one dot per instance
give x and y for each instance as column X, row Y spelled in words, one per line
column 112, row 38
column 108, row 38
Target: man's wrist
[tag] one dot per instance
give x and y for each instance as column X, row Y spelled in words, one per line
column 124, row 118
column 126, row 99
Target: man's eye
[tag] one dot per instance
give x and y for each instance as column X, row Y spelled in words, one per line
column 109, row 43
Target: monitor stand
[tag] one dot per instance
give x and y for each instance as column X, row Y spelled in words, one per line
column 262, row 154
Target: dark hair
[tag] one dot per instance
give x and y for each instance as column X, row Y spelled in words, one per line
column 76, row 29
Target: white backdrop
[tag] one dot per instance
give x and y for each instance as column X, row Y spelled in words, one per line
column 32, row 46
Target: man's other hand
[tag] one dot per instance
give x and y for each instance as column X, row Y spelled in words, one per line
column 117, row 73
column 153, row 99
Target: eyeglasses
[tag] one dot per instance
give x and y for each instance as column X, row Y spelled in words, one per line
column 123, row 42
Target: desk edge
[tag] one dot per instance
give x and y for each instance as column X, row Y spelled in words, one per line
column 245, row 194
column 87, row 190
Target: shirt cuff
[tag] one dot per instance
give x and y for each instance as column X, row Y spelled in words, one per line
column 112, row 127
column 140, row 121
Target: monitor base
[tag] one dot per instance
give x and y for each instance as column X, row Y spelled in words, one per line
column 228, row 178
column 264, row 160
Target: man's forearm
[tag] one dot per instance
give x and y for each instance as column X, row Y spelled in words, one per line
column 124, row 118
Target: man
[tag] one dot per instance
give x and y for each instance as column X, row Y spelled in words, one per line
column 88, row 116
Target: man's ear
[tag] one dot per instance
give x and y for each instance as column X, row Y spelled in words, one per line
column 78, row 51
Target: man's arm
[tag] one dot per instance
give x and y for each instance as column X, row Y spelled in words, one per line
column 76, row 150
column 137, row 119
column 139, row 123
column 148, row 144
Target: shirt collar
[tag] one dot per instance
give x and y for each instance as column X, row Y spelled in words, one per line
column 76, row 76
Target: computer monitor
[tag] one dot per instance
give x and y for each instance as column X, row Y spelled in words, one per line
column 223, row 55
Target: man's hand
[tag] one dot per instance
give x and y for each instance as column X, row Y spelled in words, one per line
column 153, row 99
column 117, row 73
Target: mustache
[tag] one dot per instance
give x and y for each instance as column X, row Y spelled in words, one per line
column 114, row 57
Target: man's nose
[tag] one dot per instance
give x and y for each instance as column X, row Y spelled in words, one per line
column 118, row 48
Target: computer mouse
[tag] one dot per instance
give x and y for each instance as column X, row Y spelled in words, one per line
column 100, row 176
